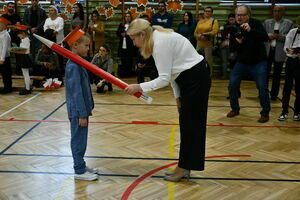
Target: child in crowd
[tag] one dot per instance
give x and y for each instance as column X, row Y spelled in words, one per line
column 104, row 61
column 5, row 67
column 24, row 59
column 80, row 104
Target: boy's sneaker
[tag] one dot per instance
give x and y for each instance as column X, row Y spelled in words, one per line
column 87, row 176
column 92, row 170
column 296, row 117
column 282, row 117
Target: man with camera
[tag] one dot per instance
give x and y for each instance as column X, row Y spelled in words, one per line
column 292, row 72
column 277, row 28
column 248, row 41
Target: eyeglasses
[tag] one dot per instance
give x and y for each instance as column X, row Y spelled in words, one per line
column 207, row 11
column 241, row 15
column 102, row 50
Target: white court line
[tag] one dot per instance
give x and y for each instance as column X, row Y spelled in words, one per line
column 19, row 105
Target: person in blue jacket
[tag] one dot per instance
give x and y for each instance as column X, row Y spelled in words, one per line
column 80, row 104
column 162, row 17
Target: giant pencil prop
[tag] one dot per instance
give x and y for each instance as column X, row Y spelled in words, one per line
column 89, row 66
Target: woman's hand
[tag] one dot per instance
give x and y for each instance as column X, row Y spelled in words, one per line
column 133, row 88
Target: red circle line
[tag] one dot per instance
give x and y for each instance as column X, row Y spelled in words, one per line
column 143, row 177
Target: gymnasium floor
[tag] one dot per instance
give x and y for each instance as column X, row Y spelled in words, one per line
column 133, row 143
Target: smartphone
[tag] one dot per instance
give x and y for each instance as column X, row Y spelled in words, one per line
column 276, row 31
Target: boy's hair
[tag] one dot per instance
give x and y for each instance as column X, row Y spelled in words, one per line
column 82, row 38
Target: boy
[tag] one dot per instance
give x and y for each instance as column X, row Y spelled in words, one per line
column 5, row 67
column 80, row 104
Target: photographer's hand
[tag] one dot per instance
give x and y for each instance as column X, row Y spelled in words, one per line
column 239, row 40
column 246, row 27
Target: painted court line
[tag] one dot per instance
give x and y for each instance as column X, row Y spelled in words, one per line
column 19, row 105
column 29, row 130
column 148, row 174
column 151, row 123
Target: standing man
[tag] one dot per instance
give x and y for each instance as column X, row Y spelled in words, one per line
column 248, row 41
column 162, row 17
column 15, row 19
column 277, row 29
column 35, row 17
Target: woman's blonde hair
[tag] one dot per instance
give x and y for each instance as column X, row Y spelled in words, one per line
column 138, row 26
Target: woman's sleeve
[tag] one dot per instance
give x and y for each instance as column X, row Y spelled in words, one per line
column 60, row 24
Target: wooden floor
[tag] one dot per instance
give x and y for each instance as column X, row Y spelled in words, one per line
column 133, row 143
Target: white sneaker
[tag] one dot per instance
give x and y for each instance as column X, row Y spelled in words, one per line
column 92, row 170
column 87, row 176
column 296, row 117
column 282, row 117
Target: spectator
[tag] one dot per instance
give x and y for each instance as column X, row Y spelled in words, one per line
column 205, row 33
column 224, row 46
column 248, row 40
column 35, row 17
column 78, row 18
column 292, row 72
column 104, row 61
column 162, row 17
column 187, row 27
column 126, row 51
column 277, row 29
column 96, row 31
column 5, row 67
column 15, row 19
column 24, row 59
column 46, row 64
column 55, row 23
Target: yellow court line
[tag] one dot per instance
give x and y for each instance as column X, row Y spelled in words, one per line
column 171, row 185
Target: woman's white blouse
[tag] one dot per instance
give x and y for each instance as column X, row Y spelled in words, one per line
column 56, row 25
column 172, row 54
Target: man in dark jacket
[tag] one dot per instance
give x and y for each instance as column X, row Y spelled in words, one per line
column 248, row 40
column 35, row 17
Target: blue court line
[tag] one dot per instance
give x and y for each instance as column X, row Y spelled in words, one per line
column 141, row 158
column 128, row 175
column 26, row 133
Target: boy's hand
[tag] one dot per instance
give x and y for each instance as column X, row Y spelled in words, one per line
column 1, row 62
column 133, row 88
column 83, row 122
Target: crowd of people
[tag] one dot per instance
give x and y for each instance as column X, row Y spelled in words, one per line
column 150, row 48
column 240, row 56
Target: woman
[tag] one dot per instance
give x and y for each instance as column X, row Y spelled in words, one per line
column 104, row 61
column 187, row 27
column 78, row 18
column 55, row 23
column 205, row 33
column 55, row 26
column 126, row 51
column 177, row 63
column 96, row 31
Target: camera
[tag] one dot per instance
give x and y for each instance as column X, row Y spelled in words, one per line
column 296, row 50
column 276, row 31
column 239, row 32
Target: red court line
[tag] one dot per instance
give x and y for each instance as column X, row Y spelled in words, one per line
column 150, row 122
column 143, row 177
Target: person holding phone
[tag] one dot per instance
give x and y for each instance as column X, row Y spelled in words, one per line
column 277, row 29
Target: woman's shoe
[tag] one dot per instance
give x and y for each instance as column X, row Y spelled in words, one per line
column 186, row 174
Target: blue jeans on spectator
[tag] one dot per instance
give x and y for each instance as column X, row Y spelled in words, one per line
column 259, row 74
